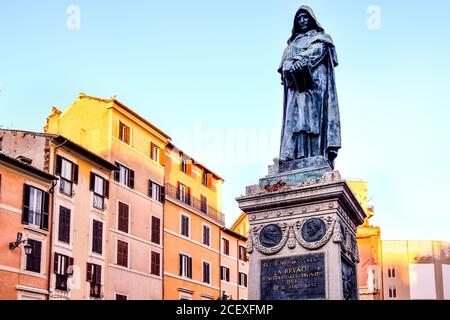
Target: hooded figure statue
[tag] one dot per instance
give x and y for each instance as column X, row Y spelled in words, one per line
column 311, row 124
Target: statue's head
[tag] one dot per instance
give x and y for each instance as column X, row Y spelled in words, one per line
column 304, row 21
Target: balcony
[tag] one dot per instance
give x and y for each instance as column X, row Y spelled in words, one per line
column 99, row 202
column 66, row 188
column 61, row 283
column 96, row 291
column 195, row 203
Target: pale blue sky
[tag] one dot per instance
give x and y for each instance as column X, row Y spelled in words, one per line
column 205, row 69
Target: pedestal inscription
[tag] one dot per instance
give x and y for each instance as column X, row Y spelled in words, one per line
column 293, row 278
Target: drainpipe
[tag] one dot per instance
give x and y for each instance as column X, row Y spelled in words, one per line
column 50, row 256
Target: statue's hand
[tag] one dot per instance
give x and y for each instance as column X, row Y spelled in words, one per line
column 300, row 64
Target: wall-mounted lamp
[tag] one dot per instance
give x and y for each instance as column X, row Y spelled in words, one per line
column 28, row 248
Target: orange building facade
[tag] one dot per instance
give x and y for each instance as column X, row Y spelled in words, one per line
column 25, row 212
column 192, row 229
column 79, row 203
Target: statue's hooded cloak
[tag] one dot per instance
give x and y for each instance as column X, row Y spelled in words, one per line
column 318, row 113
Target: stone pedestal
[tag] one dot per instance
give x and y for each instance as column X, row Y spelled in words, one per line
column 302, row 237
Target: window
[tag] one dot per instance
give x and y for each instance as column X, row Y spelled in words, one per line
column 100, row 188
column 206, row 272
column 1, row 143
column 156, row 192
column 184, row 193
column 155, row 264
column 242, row 279
column 123, row 217
column 391, row 272
column 185, row 266
column 97, row 237
column 35, row 207
column 205, row 178
column 34, row 259
column 186, row 296
column 225, row 246
column 64, row 225
column 224, row 274
column 124, row 176
column 392, row 292
column 124, row 133
column 243, row 253
column 156, row 230
column 203, row 204
column 62, row 268
column 122, row 253
column 154, row 152
column 94, row 277
column 68, row 172
column 206, row 236
column 121, row 297
column 183, row 166
column 185, row 225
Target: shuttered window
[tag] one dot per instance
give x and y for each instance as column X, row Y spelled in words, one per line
column 185, row 266
column 100, row 188
column 242, row 279
column 206, row 272
column 124, row 213
column 155, row 263
column 185, row 225
column 68, row 173
column 154, row 152
column 156, row 230
column 34, row 259
column 206, row 236
column 224, row 274
column 243, row 253
column 94, row 277
column 124, row 175
column 122, row 253
column 64, row 225
column 156, row 191
column 97, row 237
column 124, row 133
column 35, row 208
column 63, row 267
column 225, row 246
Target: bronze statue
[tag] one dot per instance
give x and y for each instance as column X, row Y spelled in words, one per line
column 311, row 124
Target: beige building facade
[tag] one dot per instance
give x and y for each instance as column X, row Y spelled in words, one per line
column 113, row 131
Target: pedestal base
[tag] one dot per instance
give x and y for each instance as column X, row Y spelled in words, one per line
column 302, row 238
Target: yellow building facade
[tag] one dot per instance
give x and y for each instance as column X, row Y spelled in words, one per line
column 368, row 238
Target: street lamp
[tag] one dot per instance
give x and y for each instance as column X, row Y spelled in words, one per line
column 28, row 248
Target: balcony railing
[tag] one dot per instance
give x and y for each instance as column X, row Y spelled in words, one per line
column 99, row 202
column 61, row 283
column 195, row 203
column 34, row 218
column 96, row 291
column 66, row 188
